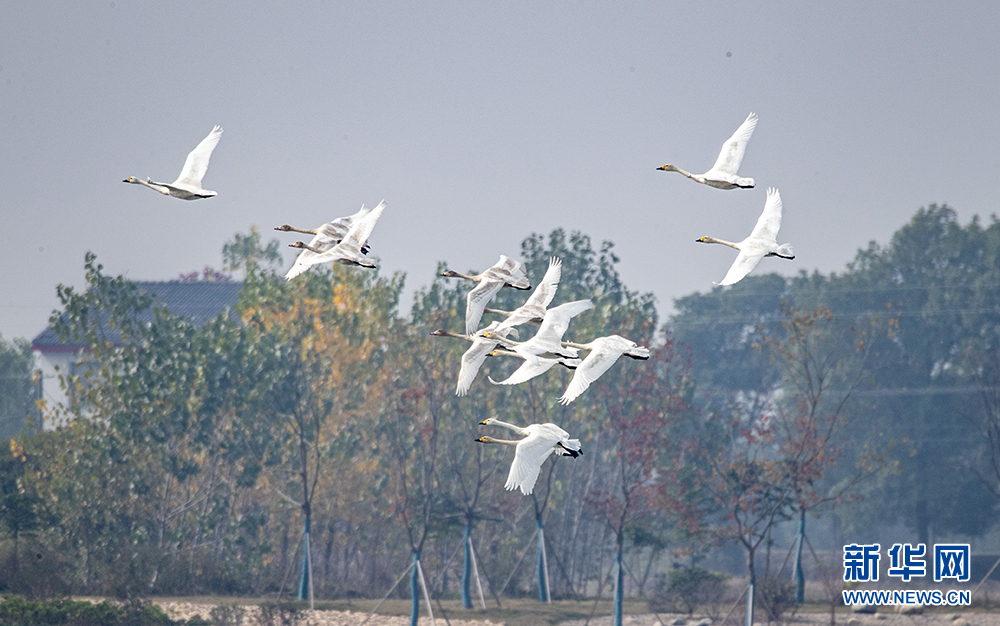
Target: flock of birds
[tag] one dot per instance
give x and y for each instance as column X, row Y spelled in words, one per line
column 345, row 240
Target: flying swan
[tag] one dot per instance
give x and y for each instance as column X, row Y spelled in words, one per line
column 761, row 242
column 533, row 310
column 723, row 173
column 325, row 237
column 348, row 251
column 188, row 184
column 506, row 272
column 476, row 355
column 541, row 441
column 604, row 352
column 482, row 348
column 547, row 342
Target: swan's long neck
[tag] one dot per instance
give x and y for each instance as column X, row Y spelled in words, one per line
column 674, row 168
column 498, row 311
column 506, row 442
column 301, row 230
column 502, row 352
column 516, row 429
column 722, row 241
column 578, row 346
column 148, row 183
column 448, row 333
column 306, row 246
column 455, row 274
column 503, row 340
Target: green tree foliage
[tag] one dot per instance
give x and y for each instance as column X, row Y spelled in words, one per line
column 932, row 292
column 17, row 388
column 189, row 456
column 244, row 252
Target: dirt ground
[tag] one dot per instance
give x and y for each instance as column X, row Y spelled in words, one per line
column 887, row 617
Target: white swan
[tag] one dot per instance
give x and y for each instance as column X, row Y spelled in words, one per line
column 348, row 251
column 188, row 184
column 476, row 355
column 541, row 441
column 533, row 310
column 504, row 273
column 325, row 237
column 481, row 348
column 529, row 370
column 604, row 352
column 723, row 173
column 547, row 341
column 762, row 241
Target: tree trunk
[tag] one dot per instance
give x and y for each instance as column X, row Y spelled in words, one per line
column 414, row 591
column 750, row 589
column 543, row 575
column 305, row 582
column 800, row 578
column 467, row 566
column 619, row 578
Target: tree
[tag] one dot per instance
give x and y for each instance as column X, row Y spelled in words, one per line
column 247, row 252
column 323, row 357
column 641, row 410
column 822, row 363
column 17, row 388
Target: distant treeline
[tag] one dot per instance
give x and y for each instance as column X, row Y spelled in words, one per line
column 190, row 456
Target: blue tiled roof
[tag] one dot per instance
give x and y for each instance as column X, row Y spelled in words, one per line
column 197, row 301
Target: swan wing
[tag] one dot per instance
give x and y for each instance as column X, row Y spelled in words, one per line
column 323, row 240
column 472, row 360
column 540, row 298
column 509, row 271
column 507, row 265
column 546, row 289
column 732, row 151
column 196, row 163
column 476, row 301
column 745, row 261
column 529, row 454
column 527, row 371
column 335, row 230
column 600, row 360
column 362, row 227
column 557, row 319
column 770, row 219
column 549, row 431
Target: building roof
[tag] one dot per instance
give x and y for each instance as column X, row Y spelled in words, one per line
column 198, row 301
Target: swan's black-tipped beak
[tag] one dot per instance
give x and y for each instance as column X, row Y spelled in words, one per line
column 480, row 440
column 483, row 423
column 125, row 181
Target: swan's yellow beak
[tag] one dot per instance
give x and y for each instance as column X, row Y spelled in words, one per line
column 480, row 440
column 484, row 423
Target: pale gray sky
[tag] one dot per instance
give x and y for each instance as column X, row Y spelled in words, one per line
column 481, row 123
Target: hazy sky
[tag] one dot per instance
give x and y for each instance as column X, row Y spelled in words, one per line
column 481, row 123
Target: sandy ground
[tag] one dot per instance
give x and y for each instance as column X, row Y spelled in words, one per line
column 184, row 610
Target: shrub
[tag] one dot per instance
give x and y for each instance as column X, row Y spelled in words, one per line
column 691, row 587
column 18, row 611
column 776, row 596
